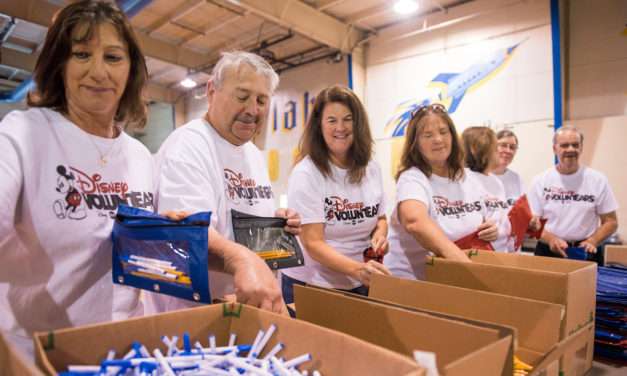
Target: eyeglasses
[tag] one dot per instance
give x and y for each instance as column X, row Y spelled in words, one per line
column 433, row 107
column 505, row 145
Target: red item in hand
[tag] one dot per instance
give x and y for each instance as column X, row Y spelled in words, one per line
column 519, row 217
column 371, row 254
column 472, row 241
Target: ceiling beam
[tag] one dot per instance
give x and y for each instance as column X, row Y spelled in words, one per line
column 177, row 13
column 436, row 19
column 40, row 12
column 305, row 20
column 211, row 29
column 368, row 13
column 326, row 4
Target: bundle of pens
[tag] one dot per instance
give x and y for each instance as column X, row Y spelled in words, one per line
column 611, row 314
column 198, row 360
column 154, row 253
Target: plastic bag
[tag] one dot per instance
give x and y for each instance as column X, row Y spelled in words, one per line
column 266, row 237
column 154, row 253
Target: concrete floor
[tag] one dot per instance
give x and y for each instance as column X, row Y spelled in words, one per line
column 606, row 369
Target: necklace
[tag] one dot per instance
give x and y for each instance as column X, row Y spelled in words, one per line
column 103, row 160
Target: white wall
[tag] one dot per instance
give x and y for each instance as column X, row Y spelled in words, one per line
column 597, row 59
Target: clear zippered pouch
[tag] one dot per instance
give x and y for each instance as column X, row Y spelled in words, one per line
column 266, row 237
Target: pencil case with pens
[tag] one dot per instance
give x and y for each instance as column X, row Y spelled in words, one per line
column 154, row 253
column 266, row 237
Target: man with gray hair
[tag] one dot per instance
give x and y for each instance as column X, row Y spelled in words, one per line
column 577, row 201
column 210, row 164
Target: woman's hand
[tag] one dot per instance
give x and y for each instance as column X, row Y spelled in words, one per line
column 367, row 269
column 293, row 220
column 175, row 215
column 379, row 244
column 488, row 231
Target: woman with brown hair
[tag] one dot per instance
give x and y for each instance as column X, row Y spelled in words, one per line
column 436, row 201
column 481, row 160
column 338, row 190
column 66, row 165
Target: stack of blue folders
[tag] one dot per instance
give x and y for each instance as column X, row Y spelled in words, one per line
column 611, row 313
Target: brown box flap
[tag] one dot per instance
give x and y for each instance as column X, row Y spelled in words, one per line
column 538, row 323
column 616, row 254
column 459, row 346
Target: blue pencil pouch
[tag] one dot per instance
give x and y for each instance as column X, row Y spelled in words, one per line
column 154, row 253
column 577, row 253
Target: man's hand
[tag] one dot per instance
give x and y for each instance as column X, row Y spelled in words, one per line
column 558, row 246
column 367, row 269
column 589, row 246
column 175, row 215
column 488, row 231
column 255, row 284
column 293, row 220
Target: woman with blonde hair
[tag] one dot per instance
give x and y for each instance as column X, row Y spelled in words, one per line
column 337, row 188
column 481, row 159
column 437, row 202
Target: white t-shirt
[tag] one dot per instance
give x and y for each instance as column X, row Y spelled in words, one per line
column 198, row 170
column 456, row 206
column 497, row 208
column 348, row 211
column 58, row 204
column 571, row 203
column 513, row 185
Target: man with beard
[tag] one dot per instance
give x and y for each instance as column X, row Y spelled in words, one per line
column 577, row 201
column 210, row 164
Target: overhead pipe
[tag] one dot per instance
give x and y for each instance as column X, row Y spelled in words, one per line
column 129, row 7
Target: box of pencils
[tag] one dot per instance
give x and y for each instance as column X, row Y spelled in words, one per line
column 267, row 238
column 154, row 253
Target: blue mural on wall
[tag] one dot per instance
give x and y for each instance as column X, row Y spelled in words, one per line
column 453, row 88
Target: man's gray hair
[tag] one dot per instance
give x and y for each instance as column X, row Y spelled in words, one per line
column 567, row 128
column 236, row 59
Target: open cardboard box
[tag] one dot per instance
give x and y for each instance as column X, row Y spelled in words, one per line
column 570, row 283
column 537, row 323
column 333, row 353
column 13, row 363
column 616, row 254
column 461, row 346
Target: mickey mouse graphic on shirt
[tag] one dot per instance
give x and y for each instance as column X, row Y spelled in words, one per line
column 71, row 205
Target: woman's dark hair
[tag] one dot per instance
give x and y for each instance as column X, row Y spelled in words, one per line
column 412, row 157
column 312, row 143
column 57, row 49
column 480, row 146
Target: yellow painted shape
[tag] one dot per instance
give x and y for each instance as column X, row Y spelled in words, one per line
column 273, row 164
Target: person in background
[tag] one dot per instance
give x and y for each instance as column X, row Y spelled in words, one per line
column 436, row 201
column 55, row 231
column 337, row 188
column 211, row 164
column 507, row 146
column 577, row 201
column 480, row 145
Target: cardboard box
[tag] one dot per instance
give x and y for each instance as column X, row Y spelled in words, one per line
column 537, row 323
column 13, row 363
column 567, row 282
column 462, row 346
column 333, row 353
column 616, row 254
